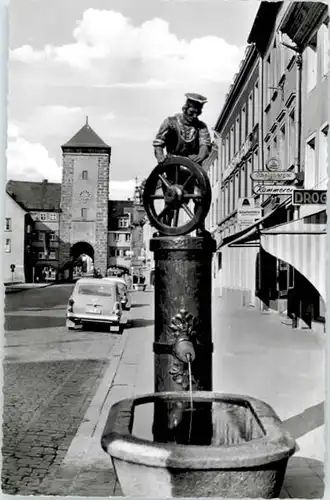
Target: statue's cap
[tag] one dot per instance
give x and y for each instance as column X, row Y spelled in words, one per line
column 196, row 99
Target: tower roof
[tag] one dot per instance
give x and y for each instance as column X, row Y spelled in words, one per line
column 86, row 137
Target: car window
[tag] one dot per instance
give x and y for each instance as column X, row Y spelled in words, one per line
column 95, row 289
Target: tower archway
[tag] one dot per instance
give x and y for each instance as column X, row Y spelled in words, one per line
column 82, row 255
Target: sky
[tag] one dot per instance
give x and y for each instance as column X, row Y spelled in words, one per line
column 126, row 64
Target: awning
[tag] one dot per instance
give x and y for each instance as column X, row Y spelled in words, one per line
column 241, row 236
column 301, row 243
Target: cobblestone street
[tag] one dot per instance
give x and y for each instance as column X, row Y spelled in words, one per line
column 50, row 378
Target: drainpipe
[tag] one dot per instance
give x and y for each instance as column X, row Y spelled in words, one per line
column 298, row 111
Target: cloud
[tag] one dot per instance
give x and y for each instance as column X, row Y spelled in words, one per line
column 110, row 50
column 122, row 190
column 29, row 161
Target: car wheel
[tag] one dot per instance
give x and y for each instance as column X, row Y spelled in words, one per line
column 70, row 325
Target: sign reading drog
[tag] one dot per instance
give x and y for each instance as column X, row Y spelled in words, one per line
column 309, row 197
column 265, row 190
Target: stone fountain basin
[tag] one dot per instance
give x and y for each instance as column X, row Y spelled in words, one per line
column 228, row 467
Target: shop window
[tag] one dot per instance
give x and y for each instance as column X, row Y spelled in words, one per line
column 8, row 224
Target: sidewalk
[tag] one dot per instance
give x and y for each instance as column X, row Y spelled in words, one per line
column 254, row 355
column 18, row 287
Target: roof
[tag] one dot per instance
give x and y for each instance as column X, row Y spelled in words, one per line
column 263, row 24
column 86, row 137
column 35, row 195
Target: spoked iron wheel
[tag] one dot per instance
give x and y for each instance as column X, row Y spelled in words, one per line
column 177, row 196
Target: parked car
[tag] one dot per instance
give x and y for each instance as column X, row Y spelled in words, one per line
column 126, row 298
column 94, row 301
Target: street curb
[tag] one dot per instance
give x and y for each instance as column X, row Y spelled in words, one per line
column 82, row 440
column 16, row 289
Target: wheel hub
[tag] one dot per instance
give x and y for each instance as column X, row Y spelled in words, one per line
column 173, row 195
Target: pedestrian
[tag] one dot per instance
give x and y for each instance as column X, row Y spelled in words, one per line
column 184, row 135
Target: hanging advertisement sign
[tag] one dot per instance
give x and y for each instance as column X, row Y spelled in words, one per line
column 264, row 176
column 265, row 190
column 273, row 164
column 247, row 212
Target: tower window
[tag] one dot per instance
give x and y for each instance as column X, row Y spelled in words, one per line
column 8, row 245
column 84, row 213
column 84, row 175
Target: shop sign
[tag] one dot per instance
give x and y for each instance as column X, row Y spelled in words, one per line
column 273, row 164
column 263, row 176
column 309, row 197
column 265, row 190
column 247, row 212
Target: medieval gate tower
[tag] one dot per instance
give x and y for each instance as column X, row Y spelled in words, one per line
column 84, row 199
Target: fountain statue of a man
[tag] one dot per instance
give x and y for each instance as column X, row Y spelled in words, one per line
column 184, row 134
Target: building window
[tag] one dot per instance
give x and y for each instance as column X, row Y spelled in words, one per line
column 53, row 216
column 84, row 213
column 223, row 155
column 127, row 237
column 52, row 255
column 236, row 189
column 232, row 143
column 324, row 34
column 292, row 135
column 248, row 177
column 243, row 125
column 242, row 183
column 212, row 215
column 41, row 236
column 232, row 195
column 41, row 255
column 268, row 79
column 250, row 113
column 310, row 170
column 282, row 147
column 217, row 211
column 8, row 224
column 8, row 245
column 227, row 150
column 116, row 236
column 84, row 175
column 323, row 157
column 43, row 216
column 223, row 204
column 123, row 222
column 256, row 160
column 311, row 60
column 237, row 131
column 53, row 236
column 256, row 104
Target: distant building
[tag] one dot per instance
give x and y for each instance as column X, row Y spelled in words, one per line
column 14, row 240
column 41, row 200
column 119, row 235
